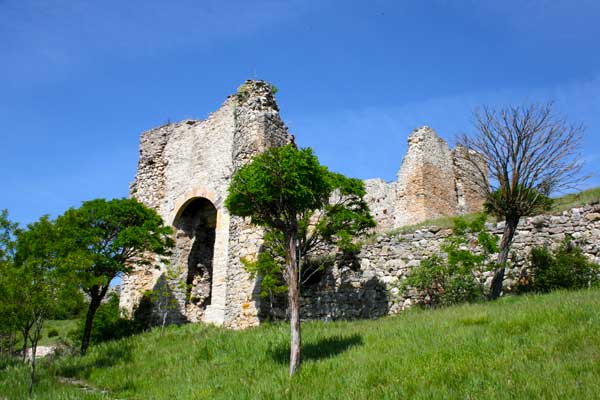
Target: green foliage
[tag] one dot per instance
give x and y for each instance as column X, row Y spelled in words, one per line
column 43, row 284
column 9, row 285
column 277, row 186
column 344, row 217
column 52, row 333
column 284, row 187
column 103, row 239
column 272, row 283
column 454, row 279
column 70, row 304
column 520, row 202
column 566, row 268
column 274, row 89
column 8, row 230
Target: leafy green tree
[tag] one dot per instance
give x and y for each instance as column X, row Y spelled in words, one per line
column 345, row 216
column 8, row 287
column 41, row 282
column 104, row 239
column 303, row 207
column 528, row 153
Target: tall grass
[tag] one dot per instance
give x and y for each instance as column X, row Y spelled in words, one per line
column 522, row 347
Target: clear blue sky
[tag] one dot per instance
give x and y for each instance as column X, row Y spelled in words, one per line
column 80, row 80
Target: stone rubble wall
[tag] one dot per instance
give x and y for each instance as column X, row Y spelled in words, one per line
column 381, row 197
column 368, row 287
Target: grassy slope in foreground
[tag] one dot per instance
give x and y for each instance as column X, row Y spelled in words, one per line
column 519, row 347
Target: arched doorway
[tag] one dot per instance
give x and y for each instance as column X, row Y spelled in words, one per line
column 194, row 252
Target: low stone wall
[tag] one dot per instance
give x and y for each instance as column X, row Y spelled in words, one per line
column 366, row 287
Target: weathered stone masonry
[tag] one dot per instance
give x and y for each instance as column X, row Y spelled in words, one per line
column 433, row 182
column 369, row 289
column 184, row 171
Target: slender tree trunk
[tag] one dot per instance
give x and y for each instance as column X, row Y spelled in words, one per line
column 25, row 337
column 507, row 237
column 32, row 372
column 34, row 341
column 294, row 300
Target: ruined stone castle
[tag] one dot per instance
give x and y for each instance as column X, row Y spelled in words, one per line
column 184, row 171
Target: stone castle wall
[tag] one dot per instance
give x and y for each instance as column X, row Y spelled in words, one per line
column 187, row 166
column 368, row 287
column 184, row 172
column 433, row 181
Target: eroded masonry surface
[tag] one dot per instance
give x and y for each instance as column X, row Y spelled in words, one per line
column 184, row 171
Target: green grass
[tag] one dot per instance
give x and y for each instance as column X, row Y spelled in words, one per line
column 63, row 327
column 517, row 348
column 442, row 223
column 576, row 200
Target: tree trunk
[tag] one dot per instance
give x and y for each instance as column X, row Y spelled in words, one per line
column 32, row 372
column 25, row 337
column 34, row 342
column 507, row 237
column 293, row 294
column 96, row 296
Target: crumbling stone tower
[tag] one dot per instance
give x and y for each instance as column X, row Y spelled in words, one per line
column 183, row 173
column 433, row 181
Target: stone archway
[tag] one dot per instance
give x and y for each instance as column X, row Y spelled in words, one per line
column 195, row 233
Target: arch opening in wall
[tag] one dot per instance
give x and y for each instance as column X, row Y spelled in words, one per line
column 195, row 228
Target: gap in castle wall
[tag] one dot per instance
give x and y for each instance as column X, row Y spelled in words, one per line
column 194, row 252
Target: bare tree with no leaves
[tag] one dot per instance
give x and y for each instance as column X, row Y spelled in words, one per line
column 529, row 153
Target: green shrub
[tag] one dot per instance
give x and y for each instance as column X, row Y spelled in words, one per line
column 52, row 333
column 566, row 268
column 454, row 278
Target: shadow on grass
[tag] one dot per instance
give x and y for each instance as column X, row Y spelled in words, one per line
column 324, row 348
column 81, row 367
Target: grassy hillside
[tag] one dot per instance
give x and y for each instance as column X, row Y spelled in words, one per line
column 62, row 327
column 520, row 347
column 576, row 200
